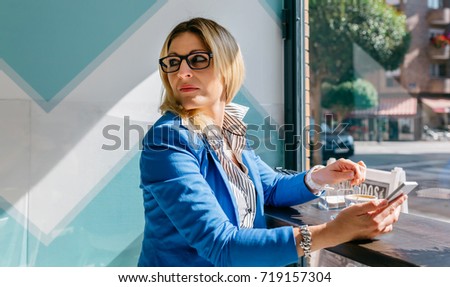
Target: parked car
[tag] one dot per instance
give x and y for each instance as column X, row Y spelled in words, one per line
column 335, row 143
column 435, row 134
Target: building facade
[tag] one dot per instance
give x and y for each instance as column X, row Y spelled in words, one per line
column 415, row 97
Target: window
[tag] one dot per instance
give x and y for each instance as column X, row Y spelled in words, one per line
column 438, row 70
column 392, row 78
column 434, row 32
column 391, row 128
column 435, row 4
column 390, row 82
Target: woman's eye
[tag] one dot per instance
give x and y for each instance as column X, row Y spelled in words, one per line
column 173, row 62
column 198, row 59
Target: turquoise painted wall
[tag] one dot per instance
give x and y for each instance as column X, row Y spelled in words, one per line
column 79, row 76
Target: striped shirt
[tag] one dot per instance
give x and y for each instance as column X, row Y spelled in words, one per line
column 226, row 143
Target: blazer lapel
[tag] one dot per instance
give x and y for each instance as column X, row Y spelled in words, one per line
column 254, row 176
column 213, row 156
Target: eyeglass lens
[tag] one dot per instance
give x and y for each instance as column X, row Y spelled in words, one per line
column 195, row 61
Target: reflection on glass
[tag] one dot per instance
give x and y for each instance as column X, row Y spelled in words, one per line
column 389, row 90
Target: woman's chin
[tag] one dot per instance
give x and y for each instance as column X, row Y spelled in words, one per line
column 192, row 105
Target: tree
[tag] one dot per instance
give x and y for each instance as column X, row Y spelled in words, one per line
column 335, row 26
column 346, row 96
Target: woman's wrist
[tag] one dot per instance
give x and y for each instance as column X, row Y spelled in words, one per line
column 315, row 176
column 311, row 180
column 322, row 236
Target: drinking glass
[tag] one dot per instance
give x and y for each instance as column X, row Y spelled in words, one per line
column 356, row 198
column 343, row 190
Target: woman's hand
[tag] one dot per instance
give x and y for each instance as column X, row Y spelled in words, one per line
column 340, row 170
column 359, row 221
column 367, row 220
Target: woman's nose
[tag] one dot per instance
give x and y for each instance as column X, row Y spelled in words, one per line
column 185, row 71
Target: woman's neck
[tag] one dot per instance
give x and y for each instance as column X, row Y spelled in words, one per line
column 216, row 113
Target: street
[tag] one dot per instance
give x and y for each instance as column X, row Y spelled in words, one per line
column 427, row 162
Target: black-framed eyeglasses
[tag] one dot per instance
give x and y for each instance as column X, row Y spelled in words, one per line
column 195, row 61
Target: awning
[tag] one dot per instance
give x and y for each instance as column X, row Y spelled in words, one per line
column 440, row 106
column 391, row 106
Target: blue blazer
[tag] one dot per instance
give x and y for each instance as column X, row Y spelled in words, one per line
column 191, row 216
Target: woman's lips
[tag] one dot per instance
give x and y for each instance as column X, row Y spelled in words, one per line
column 188, row 88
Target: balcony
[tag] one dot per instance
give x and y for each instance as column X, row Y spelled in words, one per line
column 439, row 16
column 442, row 53
column 439, row 85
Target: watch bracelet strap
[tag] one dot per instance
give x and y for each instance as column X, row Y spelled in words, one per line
column 310, row 182
column 306, row 241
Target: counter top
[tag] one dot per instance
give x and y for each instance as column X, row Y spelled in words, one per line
column 415, row 240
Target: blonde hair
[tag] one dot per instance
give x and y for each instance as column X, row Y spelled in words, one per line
column 228, row 63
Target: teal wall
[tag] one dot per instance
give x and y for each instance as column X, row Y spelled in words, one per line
column 72, row 75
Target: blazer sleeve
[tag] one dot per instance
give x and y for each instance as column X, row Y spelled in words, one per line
column 170, row 171
column 280, row 189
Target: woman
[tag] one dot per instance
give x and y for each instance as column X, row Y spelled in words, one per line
column 204, row 189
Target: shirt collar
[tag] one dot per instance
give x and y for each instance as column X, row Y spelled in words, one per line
column 236, row 110
column 232, row 122
column 233, row 125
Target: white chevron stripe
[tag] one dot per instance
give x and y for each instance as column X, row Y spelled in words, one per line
column 62, row 160
column 60, row 163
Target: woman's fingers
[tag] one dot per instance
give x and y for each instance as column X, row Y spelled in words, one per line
column 389, row 215
column 363, row 168
column 369, row 207
column 343, row 169
column 371, row 218
column 359, row 170
column 360, row 173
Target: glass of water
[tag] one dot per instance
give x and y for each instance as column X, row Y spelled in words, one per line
column 344, row 190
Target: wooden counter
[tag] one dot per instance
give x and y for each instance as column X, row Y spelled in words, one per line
column 415, row 240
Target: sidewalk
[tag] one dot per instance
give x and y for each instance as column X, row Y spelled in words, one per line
column 402, row 147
